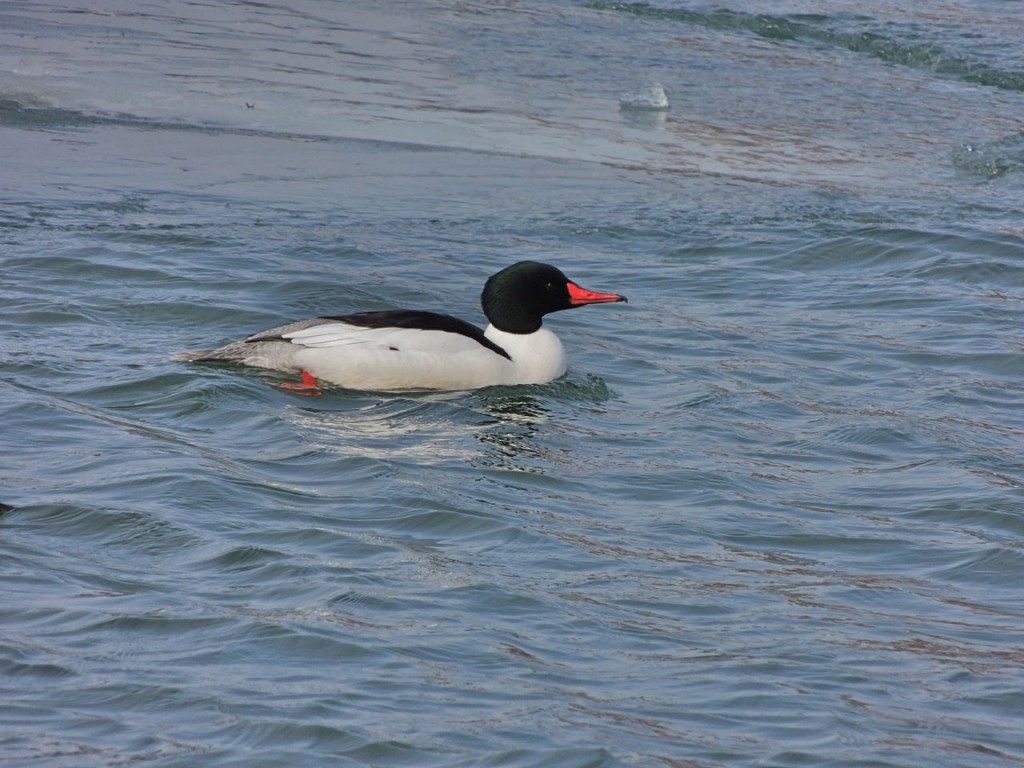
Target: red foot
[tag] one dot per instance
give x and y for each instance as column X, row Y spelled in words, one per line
column 306, row 388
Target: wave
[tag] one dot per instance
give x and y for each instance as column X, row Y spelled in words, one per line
column 898, row 44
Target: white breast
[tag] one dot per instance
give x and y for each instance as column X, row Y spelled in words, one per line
column 537, row 357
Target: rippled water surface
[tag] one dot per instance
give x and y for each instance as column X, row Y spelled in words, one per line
column 773, row 515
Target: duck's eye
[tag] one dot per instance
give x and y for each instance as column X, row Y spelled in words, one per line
column 549, row 287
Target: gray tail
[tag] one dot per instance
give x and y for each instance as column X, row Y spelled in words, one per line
column 199, row 356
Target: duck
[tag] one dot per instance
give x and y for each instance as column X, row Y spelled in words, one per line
column 404, row 349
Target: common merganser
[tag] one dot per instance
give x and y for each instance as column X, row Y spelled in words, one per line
column 414, row 349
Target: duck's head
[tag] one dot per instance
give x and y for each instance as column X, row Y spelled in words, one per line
column 516, row 299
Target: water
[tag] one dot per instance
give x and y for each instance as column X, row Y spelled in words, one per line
column 773, row 516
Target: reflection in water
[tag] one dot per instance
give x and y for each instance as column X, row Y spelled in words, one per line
column 516, row 407
column 517, row 420
column 644, row 119
column 426, row 429
column 523, row 416
column 429, row 428
column 433, row 428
